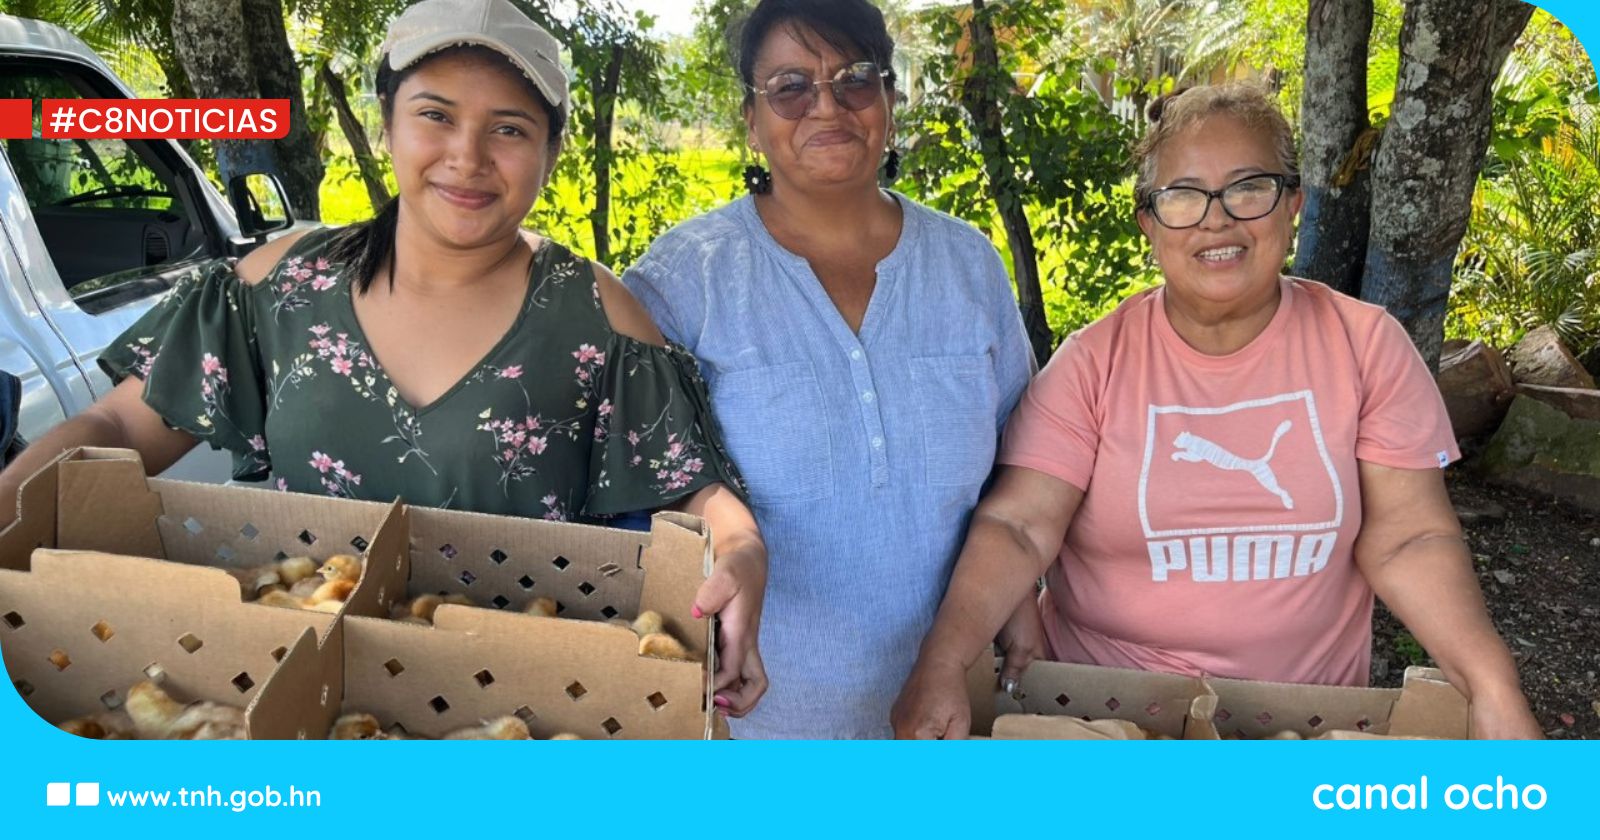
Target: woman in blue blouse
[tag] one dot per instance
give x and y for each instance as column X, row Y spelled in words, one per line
column 862, row 352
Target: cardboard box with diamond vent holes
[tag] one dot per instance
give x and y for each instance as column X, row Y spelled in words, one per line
column 1057, row 700
column 574, row 673
column 108, row 578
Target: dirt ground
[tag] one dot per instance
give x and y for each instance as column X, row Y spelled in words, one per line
column 1539, row 564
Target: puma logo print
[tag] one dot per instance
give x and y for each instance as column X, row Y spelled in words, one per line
column 1194, row 448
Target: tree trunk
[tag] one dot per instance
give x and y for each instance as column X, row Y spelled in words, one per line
column 1427, row 165
column 222, row 62
column 1336, row 145
column 356, row 136
column 278, row 77
column 980, row 95
column 605, row 110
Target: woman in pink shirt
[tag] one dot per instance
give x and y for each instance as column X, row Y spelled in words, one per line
column 1218, row 476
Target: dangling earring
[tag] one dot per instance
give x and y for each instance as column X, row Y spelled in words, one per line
column 757, row 179
column 891, row 166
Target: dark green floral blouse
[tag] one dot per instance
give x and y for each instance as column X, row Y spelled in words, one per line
column 564, row 419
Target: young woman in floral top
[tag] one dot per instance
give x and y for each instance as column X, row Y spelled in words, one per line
column 439, row 353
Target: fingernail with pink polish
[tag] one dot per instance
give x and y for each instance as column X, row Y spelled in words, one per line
column 695, row 611
column 722, row 701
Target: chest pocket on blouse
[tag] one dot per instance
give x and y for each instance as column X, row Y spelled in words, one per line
column 774, row 423
column 956, row 398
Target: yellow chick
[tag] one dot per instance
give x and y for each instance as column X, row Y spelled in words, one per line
column 357, row 726
column 304, row 589
column 649, row 622
column 156, row 715
column 565, row 736
column 292, row 570
column 337, row 589
column 508, row 728
column 341, row 567
column 105, row 726
column 662, row 646
column 253, row 581
column 542, row 606
column 280, row 598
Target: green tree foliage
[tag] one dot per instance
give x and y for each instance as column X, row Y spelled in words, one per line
column 1066, row 150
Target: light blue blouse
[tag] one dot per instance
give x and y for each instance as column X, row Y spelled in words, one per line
column 864, row 454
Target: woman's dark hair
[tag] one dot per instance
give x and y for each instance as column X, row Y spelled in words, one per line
column 854, row 28
column 367, row 244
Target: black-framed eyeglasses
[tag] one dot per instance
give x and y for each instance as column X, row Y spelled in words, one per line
column 1246, row 199
column 855, row 87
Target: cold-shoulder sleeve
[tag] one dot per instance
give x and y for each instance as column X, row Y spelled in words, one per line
column 196, row 352
column 655, row 437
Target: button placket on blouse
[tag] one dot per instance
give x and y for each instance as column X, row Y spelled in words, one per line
column 871, row 413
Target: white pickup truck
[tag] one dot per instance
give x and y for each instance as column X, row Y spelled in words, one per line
column 92, row 232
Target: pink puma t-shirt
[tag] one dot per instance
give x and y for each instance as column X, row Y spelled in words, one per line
column 1222, row 498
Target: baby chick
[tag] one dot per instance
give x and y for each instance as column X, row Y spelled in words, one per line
column 508, row 728
column 649, row 622
column 156, row 715
column 357, row 726
column 663, row 646
column 336, row 589
column 105, row 726
column 280, row 598
column 341, row 567
column 292, row 570
column 542, row 606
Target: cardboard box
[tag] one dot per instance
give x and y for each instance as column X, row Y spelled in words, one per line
column 1425, row 706
column 108, row 578
column 1057, row 700
column 571, row 674
column 1061, row 700
column 81, row 628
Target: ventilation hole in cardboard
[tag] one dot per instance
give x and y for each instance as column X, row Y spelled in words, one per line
column 307, row 537
column 324, row 694
column 279, row 557
column 447, row 551
column 439, row 705
column 1113, row 704
column 1153, row 709
column 60, row 659
column 656, row 700
column 190, row 642
column 23, row 687
column 1314, row 721
column 586, row 588
column 250, row 531
column 13, row 620
column 497, row 557
column 500, row 602
column 225, row 554
column 278, row 653
column 1363, row 725
column 608, row 612
column 484, row 678
column 1063, row 700
column 111, row 701
column 1264, row 718
column 525, row 582
column 242, row 682
column 396, row 731
column 561, row 563
column 610, row 569
column 193, row 526
column 467, row 578
column 525, row 713
column 155, row 673
column 359, row 543
column 576, row 690
column 102, row 631
column 560, row 608
column 1223, row 715
column 394, row 667
column 611, row 726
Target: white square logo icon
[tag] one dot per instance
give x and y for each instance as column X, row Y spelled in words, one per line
column 88, row 793
column 58, row 793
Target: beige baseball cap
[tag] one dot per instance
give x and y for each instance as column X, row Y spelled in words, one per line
column 433, row 25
